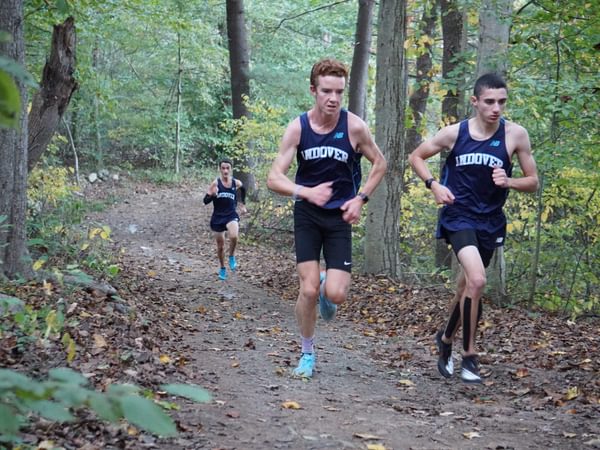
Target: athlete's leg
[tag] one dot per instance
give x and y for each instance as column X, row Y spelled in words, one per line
column 220, row 238
column 337, row 285
column 475, row 279
column 306, row 305
column 233, row 228
column 454, row 321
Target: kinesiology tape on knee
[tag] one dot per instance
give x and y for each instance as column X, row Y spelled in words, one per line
column 453, row 321
column 467, row 325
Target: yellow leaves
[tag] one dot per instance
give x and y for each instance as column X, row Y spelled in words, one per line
column 69, row 344
column 375, row 447
column 103, row 232
column 366, row 436
column 515, row 226
column 405, row 383
column 164, row 359
column 99, row 341
column 38, row 264
column 572, row 393
column 471, row 434
column 47, row 287
column 288, row 404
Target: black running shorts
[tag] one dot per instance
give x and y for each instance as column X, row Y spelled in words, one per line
column 317, row 228
column 463, row 238
column 219, row 224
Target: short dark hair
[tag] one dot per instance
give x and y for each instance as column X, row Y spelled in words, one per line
column 328, row 66
column 488, row 81
column 225, row 160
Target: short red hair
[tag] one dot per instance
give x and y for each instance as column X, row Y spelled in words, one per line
column 326, row 67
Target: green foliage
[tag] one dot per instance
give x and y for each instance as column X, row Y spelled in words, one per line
column 10, row 101
column 65, row 391
column 570, row 228
column 56, row 238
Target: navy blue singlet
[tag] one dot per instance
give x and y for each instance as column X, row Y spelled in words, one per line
column 225, row 202
column 329, row 157
column 468, row 174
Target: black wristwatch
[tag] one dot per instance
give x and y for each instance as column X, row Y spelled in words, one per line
column 363, row 196
column 429, row 182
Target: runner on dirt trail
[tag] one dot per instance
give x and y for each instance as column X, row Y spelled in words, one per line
column 475, row 182
column 223, row 192
column 327, row 142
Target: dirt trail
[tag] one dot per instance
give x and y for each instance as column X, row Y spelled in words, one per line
column 240, row 342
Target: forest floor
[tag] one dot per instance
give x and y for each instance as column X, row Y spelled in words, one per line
column 376, row 384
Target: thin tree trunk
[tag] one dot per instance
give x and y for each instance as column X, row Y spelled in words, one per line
column 74, row 149
column 359, row 75
column 57, row 86
column 239, row 63
column 178, row 118
column 423, row 76
column 96, row 111
column 382, row 249
column 538, row 243
column 14, row 260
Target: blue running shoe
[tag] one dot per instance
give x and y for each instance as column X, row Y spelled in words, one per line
column 306, row 365
column 232, row 263
column 326, row 307
column 223, row 273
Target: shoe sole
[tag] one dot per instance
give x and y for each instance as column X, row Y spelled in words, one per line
column 475, row 380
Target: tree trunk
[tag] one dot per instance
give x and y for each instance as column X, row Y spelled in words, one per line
column 423, row 76
column 239, row 63
column 96, row 108
column 359, row 74
column 492, row 56
column 454, row 45
column 178, row 116
column 14, row 261
column 494, row 29
column 382, row 249
column 57, row 86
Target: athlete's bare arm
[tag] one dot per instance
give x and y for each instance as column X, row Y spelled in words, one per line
column 445, row 138
column 517, row 142
column 278, row 180
column 363, row 142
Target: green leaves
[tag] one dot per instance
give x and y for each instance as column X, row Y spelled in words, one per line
column 147, row 415
column 66, row 389
column 10, row 101
column 188, row 391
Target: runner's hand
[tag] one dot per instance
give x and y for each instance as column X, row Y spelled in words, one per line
column 443, row 195
column 319, row 194
column 500, row 178
column 351, row 210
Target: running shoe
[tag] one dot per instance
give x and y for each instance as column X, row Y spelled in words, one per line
column 232, row 263
column 223, row 273
column 326, row 307
column 445, row 363
column 306, row 365
column 470, row 370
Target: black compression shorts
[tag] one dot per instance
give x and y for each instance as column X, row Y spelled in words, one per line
column 317, row 228
column 463, row 238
